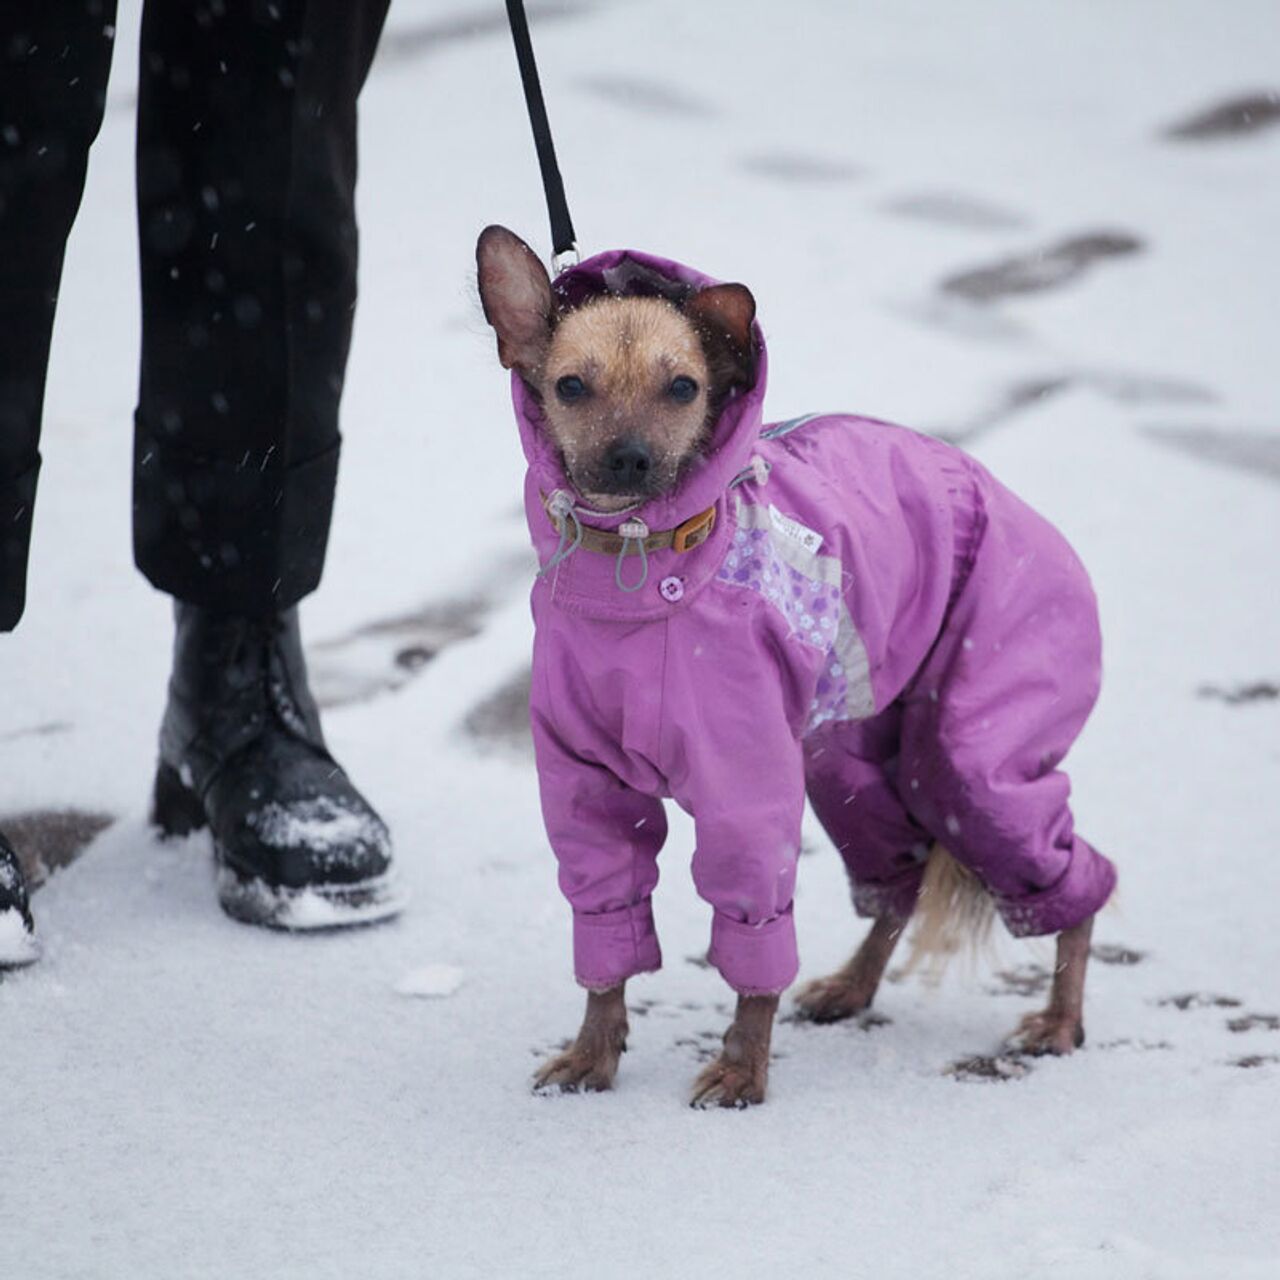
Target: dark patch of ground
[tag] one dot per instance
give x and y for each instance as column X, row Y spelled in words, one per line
column 1255, row 1060
column 1025, row 980
column 1232, row 118
column 381, row 656
column 1113, row 953
column 46, row 730
column 47, row 839
column 958, row 211
column 1026, row 393
column 1040, row 269
column 1256, row 452
column 502, row 719
column 1198, row 1000
column 797, row 167
column 870, row 1020
column 1254, row 1022
column 385, row 654
column 650, row 97
column 989, row 1069
column 1259, row 691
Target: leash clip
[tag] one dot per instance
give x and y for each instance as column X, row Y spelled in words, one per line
column 566, row 258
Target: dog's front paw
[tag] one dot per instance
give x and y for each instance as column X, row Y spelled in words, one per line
column 582, row 1068
column 729, row 1084
column 1048, row 1032
column 833, row 999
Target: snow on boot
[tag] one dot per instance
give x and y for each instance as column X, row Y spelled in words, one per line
column 18, row 944
column 241, row 751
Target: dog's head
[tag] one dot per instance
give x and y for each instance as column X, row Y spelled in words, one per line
column 629, row 386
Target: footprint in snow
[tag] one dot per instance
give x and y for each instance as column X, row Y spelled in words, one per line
column 1039, row 270
column 1243, row 114
column 1198, row 1000
column 1254, row 1022
column 988, row 1069
column 1114, row 953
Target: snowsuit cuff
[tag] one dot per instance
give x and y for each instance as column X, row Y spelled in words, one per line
column 1080, row 892
column 611, row 946
column 755, row 959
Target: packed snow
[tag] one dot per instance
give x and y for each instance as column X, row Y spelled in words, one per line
column 1031, row 227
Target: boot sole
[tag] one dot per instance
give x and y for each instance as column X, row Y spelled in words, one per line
column 176, row 811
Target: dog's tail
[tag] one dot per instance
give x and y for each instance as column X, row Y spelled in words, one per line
column 954, row 914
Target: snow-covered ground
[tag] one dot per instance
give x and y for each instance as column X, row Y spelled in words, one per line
column 183, row 1096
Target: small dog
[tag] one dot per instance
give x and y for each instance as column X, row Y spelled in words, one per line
column 733, row 615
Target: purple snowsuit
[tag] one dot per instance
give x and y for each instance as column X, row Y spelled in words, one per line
column 874, row 620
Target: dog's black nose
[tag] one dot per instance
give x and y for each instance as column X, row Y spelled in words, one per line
column 628, row 464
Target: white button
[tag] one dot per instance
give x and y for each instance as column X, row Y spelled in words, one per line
column 671, row 589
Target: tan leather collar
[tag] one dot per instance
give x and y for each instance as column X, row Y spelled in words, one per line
column 684, row 537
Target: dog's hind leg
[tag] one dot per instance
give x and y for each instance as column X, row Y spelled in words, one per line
column 739, row 1076
column 1059, row 1028
column 851, row 989
column 590, row 1063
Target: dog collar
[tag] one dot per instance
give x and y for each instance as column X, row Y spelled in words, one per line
column 684, row 537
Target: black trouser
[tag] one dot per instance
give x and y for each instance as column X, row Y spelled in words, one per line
column 246, row 221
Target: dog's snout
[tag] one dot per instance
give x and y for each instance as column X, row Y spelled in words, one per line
column 628, row 464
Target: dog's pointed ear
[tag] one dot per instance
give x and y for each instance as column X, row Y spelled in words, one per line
column 515, row 291
column 723, row 314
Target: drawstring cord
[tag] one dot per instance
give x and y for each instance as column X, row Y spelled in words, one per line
column 565, row 511
column 632, row 531
column 756, row 470
column 561, row 506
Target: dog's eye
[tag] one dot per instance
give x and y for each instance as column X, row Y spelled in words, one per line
column 682, row 389
column 570, row 388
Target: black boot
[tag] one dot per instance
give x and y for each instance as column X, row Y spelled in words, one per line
column 18, row 944
column 297, row 846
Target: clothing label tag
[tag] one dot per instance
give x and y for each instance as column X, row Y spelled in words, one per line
column 808, row 538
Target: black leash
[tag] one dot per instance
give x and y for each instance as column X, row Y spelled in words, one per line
column 563, row 241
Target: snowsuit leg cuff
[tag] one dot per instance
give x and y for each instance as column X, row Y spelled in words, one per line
column 1080, row 892
column 611, row 946
column 755, row 959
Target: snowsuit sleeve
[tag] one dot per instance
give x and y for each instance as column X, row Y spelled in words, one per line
column 743, row 780
column 606, row 836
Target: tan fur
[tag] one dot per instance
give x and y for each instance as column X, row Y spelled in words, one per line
column 627, row 351
column 954, row 913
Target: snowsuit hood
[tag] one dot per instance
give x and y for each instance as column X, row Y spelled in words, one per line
column 585, row 582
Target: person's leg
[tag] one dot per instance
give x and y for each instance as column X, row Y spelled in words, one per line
column 54, row 62
column 246, row 189
column 246, row 183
